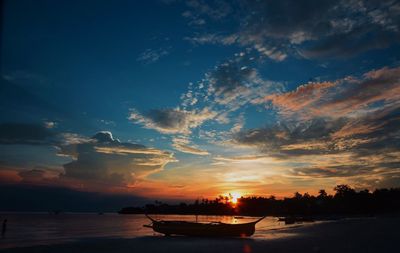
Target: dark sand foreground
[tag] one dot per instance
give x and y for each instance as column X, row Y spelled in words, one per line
column 352, row 235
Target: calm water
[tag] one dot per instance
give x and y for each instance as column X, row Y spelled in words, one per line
column 25, row 229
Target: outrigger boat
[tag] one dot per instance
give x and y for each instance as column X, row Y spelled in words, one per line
column 202, row 229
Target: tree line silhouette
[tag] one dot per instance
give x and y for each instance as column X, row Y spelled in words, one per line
column 345, row 201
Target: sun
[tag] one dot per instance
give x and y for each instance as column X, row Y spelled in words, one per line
column 234, row 201
column 233, row 197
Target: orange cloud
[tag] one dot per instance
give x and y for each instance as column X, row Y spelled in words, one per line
column 348, row 97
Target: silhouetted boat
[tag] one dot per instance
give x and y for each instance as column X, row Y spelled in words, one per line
column 202, row 229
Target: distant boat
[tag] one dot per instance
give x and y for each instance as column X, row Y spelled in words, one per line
column 291, row 219
column 202, row 229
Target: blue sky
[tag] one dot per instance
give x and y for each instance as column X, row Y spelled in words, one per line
column 189, row 98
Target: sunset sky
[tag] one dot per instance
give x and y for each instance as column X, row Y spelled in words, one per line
column 186, row 99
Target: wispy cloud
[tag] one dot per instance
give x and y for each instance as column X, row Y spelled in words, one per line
column 172, row 121
column 349, row 96
column 182, row 144
column 26, row 78
column 153, row 55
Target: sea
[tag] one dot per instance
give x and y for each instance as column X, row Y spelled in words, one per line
column 29, row 229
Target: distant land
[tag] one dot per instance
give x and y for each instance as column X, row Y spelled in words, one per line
column 29, row 198
column 345, row 202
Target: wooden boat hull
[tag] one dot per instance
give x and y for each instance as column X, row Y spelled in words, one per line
column 203, row 229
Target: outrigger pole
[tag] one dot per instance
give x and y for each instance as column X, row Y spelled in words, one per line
column 153, row 220
column 257, row 221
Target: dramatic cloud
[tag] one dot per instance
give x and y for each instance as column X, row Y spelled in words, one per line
column 354, row 120
column 22, row 133
column 221, row 97
column 337, row 115
column 224, row 91
column 106, row 160
column 308, row 28
column 99, row 160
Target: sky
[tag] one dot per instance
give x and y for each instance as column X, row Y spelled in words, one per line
column 186, row 99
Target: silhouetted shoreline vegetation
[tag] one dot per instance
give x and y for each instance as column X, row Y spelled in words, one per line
column 345, row 202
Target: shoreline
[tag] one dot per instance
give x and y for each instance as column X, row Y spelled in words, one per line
column 348, row 235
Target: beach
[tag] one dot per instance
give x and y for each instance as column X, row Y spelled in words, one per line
column 347, row 235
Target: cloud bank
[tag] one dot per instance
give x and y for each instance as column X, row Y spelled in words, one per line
column 107, row 160
column 98, row 161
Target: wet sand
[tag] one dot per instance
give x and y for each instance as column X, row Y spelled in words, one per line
column 351, row 235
